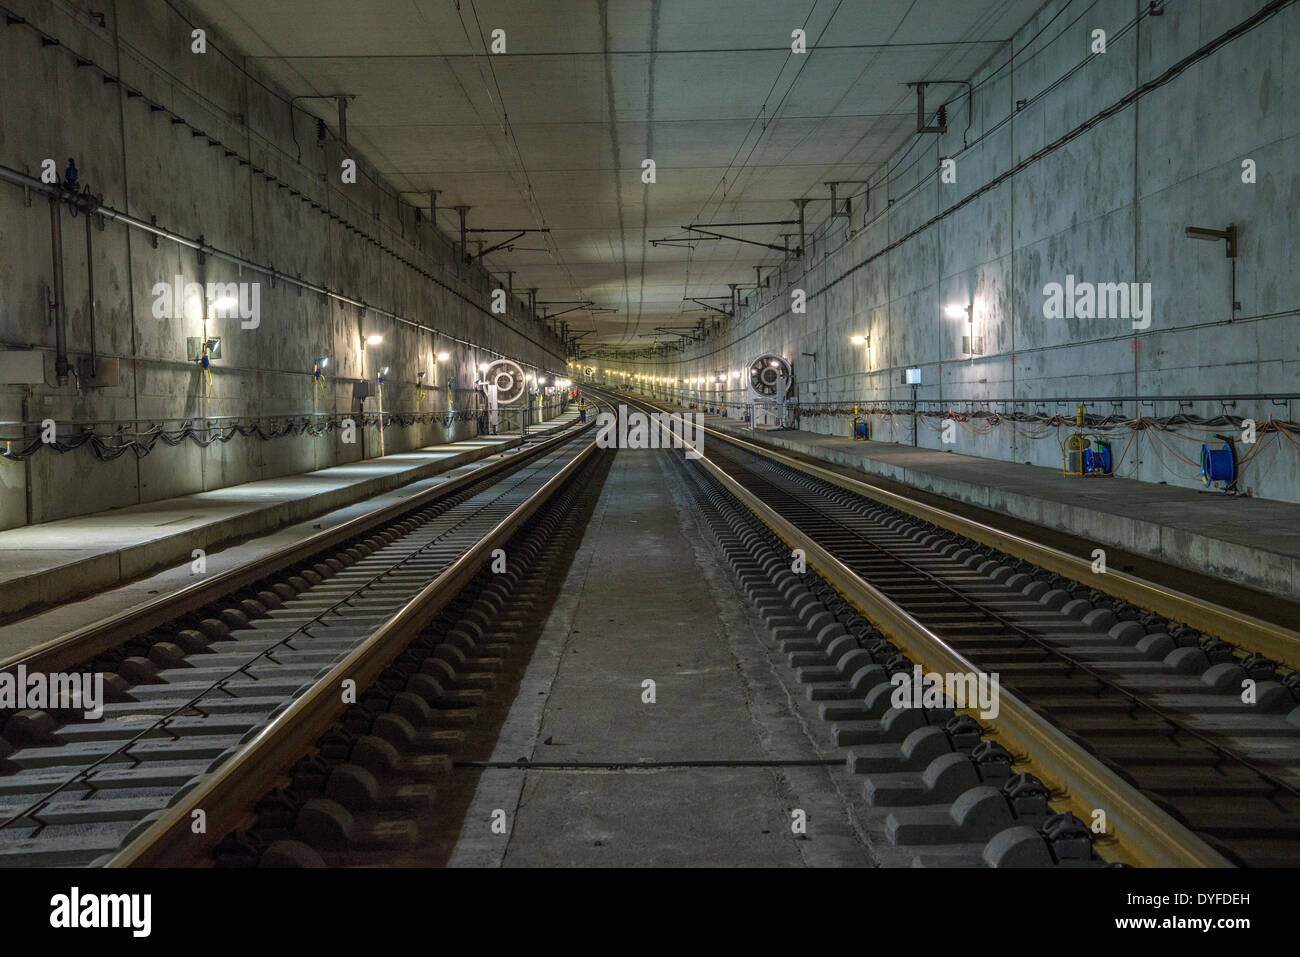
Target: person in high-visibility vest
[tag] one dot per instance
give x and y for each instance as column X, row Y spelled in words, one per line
column 582, row 410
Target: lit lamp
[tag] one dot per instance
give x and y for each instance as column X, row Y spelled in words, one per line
column 318, row 377
column 971, row 344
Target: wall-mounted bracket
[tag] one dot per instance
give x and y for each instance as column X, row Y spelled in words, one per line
column 941, row 116
column 342, row 101
column 1203, row 232
column 845, row 212
column 465, row 230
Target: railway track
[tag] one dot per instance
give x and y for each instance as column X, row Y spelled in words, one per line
column 227, row 711
column 206, row 695
column 390, row 781
column 1121, row 709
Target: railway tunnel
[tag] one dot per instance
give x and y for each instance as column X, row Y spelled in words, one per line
column 757, row 434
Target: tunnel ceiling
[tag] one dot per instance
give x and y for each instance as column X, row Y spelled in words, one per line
column 554, row 131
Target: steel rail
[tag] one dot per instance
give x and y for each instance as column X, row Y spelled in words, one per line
column 74, row 647
column 1256, row 634
column 1136, row 825
column 226, row 796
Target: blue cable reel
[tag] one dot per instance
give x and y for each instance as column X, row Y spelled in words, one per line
column 1219, row 465
column 1096, row 460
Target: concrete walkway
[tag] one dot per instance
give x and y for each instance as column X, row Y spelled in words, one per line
column 43, row 565
column 646, row 600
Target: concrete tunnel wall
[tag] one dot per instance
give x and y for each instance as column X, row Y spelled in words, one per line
column 1110, row 206
column 150, row 161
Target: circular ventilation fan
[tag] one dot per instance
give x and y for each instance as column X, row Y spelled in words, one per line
column 508, row 378
column 770, row 378
column 588, row 372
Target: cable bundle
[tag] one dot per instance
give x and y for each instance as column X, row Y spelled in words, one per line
column 110, row 446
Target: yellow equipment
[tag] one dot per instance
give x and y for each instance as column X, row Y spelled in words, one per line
column 1075, row 443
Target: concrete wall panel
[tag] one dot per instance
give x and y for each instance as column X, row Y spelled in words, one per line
column 1110, row 206
column 223, row 166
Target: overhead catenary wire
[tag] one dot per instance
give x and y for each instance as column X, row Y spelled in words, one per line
column 530, row 195
column 823, row 229
column 895, row 169
column 232, row 151
column 893, row 165
column 1123, row 102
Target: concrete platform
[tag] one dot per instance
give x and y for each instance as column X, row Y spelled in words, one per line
column 647, row 599
column 1250, row 541
column 43, row 565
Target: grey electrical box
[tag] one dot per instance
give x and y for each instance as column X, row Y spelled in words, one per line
column 911, row 376
column 106, row 373
column 972, row 346
column 361, row 390
column 22, row 367
column 194, row 347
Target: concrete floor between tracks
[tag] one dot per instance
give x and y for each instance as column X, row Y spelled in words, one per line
column 647, row 599
column 1249, row 541
column 131, row 555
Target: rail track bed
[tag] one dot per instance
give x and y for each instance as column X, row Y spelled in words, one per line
column 1204, row 729
column 389, row 783
column 188, row 696
column 1125, row 735
column 1158, row 702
